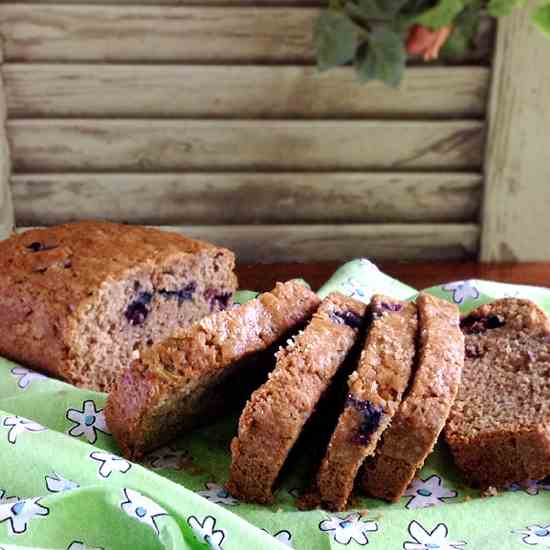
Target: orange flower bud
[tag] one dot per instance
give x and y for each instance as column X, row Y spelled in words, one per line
column 427, row 43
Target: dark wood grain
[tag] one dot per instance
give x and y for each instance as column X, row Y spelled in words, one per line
column 418, row 275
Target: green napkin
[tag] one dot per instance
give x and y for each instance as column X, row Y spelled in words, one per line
column 63, row 486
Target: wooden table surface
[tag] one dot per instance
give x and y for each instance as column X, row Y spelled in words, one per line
column 418, row 275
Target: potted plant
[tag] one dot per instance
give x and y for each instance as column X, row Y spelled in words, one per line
column 377, row 36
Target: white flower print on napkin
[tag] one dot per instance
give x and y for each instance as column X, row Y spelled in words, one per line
column 26, row 376
column 424, row 539
column 56, row 483
column 283, row 536
column 17, row 425
column 354, row 289
column 142, row 508
column 166, row 457
column 531, row 486
column 206, row 531
column 352, row 528
column 4, row 499
column 109, row 463
column 20, row 513
column 79, row 545
column 218, row 495
column 462, row 291
column 87, row 421
column 536, row 535
column 427, row 492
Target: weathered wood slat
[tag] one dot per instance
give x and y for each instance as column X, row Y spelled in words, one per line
column 173, row 199
column 517, row 196
column 310, row 243
column 154, row 33
column 6, row 205
column 153, row 146
column 37, row 90
column 57, row 32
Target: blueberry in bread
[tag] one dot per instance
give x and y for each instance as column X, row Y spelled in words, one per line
column 184, row 379
column 375, row 391
column 77, row 299
column 423, row 412
column 499, row 426
column 275, row 415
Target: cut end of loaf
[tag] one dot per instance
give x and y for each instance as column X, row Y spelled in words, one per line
column 142, row 308
column 499, row 427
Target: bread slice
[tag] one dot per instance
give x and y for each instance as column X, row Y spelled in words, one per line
column 415, row 428
column 180, row 380
column 77, row 299
column 499, row 426
column 375, row 391
column 276, row 413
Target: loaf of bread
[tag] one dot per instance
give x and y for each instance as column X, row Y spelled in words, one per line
column 77, row 300
column 499, row 426
column 375, row 391
column 276, row 413
column 183, row 380
column 423, row 412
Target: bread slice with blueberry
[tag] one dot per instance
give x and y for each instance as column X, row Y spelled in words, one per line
column 423, row 412
column 276, row 413
column 499, row 426
column 186, row 379
column 376, row 388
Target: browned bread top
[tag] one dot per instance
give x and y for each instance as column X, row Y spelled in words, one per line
column 67, row 261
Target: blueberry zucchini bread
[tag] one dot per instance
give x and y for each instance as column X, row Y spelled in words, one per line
column 375, row 391
column 423, row 412
column 499, row 426
column 275, row 415
column 179, row 382
column 76, row 300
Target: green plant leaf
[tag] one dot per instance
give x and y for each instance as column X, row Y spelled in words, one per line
column 382, row 58
column 380, row 9
column 499, row 8
column 541, row 18
column 336, row 39
column 441, row 15
column 465, row 29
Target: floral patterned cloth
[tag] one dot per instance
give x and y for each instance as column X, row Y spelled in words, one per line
column 63, row 485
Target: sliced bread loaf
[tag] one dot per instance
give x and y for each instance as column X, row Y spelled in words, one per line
column 499, row 426
column 77, row 299
column 425, row 408
column 375, row 391
column 276, row 413
column 179, row 381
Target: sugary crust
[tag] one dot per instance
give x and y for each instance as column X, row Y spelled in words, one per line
column 423, row 412
column 499, row 426
column 276, row 413
column 49, row 276
column 375, row 388
column 167, row 389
